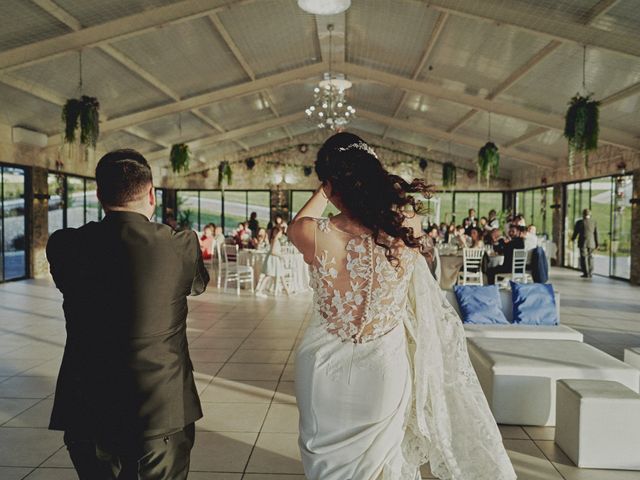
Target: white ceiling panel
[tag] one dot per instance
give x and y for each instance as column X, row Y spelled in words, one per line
column 118, row 90
column 239, row 112
column 389, row 36
column 432, row 111
column 373, row 96
column 189, row 57
column 266, row 136
column 272, row 35
column 177, row 128
column 117, row 140
column 19, row 109
column 22, row 22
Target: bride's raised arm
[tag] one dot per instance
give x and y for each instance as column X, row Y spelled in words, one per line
column 302, row 228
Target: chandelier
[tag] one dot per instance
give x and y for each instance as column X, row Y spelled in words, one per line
column 324, row 7
column 330, row 108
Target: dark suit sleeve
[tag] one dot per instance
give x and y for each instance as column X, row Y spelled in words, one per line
column 595, row 234
column 575, row 231
column 201, row 275
column 58, row 244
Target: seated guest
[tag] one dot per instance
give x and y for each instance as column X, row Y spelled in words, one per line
column 278, row 221
column 530, row 238
column 242, row 235
column 451, row 233
column 482, row 223
column 514, row 242
column 443, row 231
column 471, row 221
column 492, row 221
column 476, row 238
column 433, row 233
column 260, row 242
column 494, row 238
column 519, row 220
column 206, row 241
column 461, row 240
column 218, row 236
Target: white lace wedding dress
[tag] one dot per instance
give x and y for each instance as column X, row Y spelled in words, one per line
column 383, row 380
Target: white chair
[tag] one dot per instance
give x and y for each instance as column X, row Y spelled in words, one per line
column 518, row 269
column 232, row 271
column 471, row 267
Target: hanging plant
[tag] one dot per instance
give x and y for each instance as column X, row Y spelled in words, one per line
column 250, row 163
column 89, row 121
column 488, row 161
column 581, row 128
column 423, row 163
column 224, row 173
column 71, row 117
column 83, row 113
column 307, row 170
column 179, row 157
column 448, row 175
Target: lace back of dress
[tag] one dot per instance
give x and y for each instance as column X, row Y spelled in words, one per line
column 358, row 293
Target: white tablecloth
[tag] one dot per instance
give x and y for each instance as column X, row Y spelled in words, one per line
column 299, row 269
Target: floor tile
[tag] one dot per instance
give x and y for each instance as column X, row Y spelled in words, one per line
column 10, row 407
column 232, row 417
column 37, row 416
column 276, row 453
column 281, row 418
column 27, row 387
column 211, row 355
column 285, row 393
column 13, row 473
column 260, row 356
column 27, row 447
column 514, row 432
column 53, row 474
column 540, row 433
column 221, row 452
column 222, row 390
column 214, row 476
column 529, row 462
column 250, row 371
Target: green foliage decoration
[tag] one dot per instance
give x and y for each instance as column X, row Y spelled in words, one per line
column 488, row 161
column 581, row 128
column 85, row 114
column 448, row 175
column 179, row 157
column 225, row 173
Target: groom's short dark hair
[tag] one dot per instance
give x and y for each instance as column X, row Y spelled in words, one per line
column 122, row 176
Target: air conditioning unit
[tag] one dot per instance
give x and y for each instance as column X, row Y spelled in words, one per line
column 29, row 137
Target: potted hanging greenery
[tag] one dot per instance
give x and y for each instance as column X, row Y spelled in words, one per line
column 423, row 163
column 250, row 163
column 488, row 161
column 83, row 113
column 224, row 173
column 179, row 157
column 307, row 170
column 581, row 128
column 448, row 175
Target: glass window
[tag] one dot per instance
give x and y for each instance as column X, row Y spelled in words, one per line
column 259, row 202
column 235, row 210
column 14, row 244
column 157, row 214
column 187, row 209
column 621, row 227
column 56, row 201
column 75, row 202
column 489, row 201
column 93, row 212
column 446, row 206
column 463, row 202
column 211, row 207
column 300, row 197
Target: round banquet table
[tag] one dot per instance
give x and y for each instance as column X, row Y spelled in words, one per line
column 295, row 261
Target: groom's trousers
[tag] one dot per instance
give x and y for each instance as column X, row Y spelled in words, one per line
column 164, row 457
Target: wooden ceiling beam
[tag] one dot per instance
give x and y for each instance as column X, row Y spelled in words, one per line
column 553, row 121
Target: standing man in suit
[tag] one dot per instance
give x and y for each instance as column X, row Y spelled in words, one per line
column 586, row 231
column 126, row 398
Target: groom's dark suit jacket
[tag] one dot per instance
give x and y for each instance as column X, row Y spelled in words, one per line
column 126, row 371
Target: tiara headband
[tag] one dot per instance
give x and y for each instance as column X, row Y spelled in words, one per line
column 360, row 146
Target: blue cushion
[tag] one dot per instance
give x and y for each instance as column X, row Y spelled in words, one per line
column 534, row 304
column 480, row 304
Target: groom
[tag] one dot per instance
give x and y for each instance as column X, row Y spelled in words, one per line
column 126, row 398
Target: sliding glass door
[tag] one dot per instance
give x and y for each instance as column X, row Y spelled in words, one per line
column 13, row 242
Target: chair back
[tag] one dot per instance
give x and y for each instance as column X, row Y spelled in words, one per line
column 230, row 254
column 471, row 266
column 519, row 264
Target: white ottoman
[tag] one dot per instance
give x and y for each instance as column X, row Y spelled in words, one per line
column 598, row 424
column 518, row 376
column 632, row 357
column 516, row 330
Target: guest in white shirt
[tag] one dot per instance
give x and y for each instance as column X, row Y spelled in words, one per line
column 531, row 239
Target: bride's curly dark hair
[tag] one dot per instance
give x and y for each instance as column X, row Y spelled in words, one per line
column 374, row 197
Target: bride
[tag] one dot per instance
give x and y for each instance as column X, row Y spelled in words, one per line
column 383, row 380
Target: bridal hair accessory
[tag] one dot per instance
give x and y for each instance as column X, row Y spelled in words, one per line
column 360, row 146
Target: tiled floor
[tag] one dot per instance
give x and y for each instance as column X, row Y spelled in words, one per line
column 242, row 350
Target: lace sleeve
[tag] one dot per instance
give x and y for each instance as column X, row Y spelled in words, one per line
column 450, row 424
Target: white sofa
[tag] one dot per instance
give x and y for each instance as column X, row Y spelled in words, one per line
column 515, row 330
column 518, row 376
column 598, row 424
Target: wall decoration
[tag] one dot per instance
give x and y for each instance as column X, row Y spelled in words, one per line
column 225, row 173
column 448, row 175
column 423, row 163
column 307, row 170
column 179, row 157
column 303, row 148
column 250, row 163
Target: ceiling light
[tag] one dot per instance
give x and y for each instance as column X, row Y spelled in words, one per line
column 324, row 7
